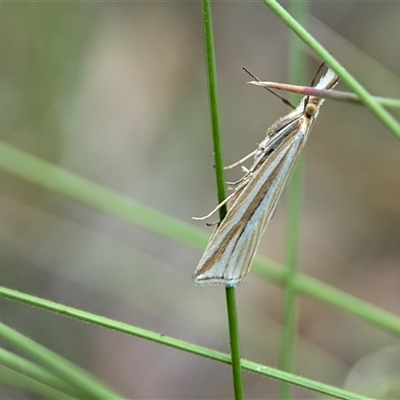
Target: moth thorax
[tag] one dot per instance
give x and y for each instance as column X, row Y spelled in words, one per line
column 311, row 109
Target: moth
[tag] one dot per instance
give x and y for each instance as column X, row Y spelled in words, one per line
column 231, row 249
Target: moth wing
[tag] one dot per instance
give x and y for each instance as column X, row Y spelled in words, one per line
column 228, row 256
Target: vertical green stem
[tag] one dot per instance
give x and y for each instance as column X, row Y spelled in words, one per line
column 234, row 342
column 213, row 99
column 297, row 73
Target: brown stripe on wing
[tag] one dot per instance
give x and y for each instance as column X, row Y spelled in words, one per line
column 219, row 252
column 236, row 231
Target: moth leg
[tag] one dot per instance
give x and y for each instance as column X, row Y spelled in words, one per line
column 229, row 200
column 213, row 223
column 241, row 161
column 242, row 180
column 215, row 209
column 236, row 182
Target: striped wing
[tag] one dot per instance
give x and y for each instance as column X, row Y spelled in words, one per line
column 231, row 249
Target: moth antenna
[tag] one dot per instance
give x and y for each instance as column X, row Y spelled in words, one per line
column 313, row 80
column 284, row 99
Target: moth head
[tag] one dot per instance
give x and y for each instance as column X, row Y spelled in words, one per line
column 311, row 109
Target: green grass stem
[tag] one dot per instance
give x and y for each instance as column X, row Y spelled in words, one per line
column 156, row 338
column 230, row 294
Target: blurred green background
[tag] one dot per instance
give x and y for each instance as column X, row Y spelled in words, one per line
column 116, row 92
